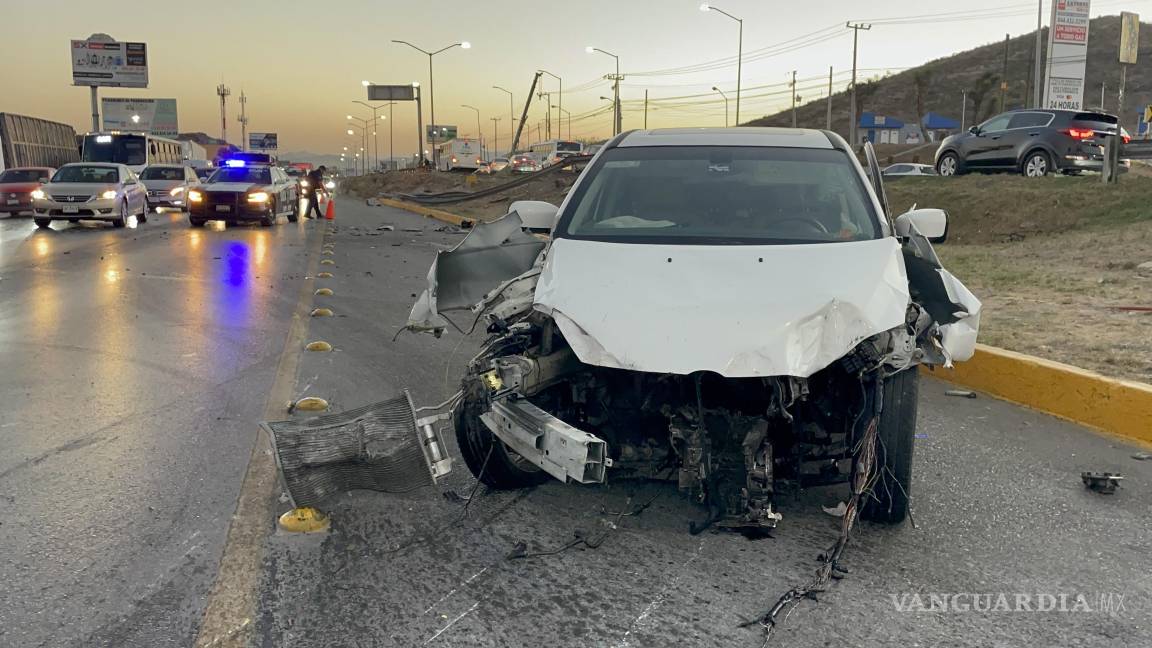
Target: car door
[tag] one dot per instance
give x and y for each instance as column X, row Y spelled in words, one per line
column 132, row 190
column 982, row 148
column 1025, row 131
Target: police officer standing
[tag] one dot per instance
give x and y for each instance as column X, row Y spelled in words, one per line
column 316, row 184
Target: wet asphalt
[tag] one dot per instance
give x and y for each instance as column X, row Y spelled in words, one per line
column 131, row 407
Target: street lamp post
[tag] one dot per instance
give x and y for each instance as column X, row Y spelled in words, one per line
column 363, row 137
column 616, row 87
column 432, row 88
column 495, row 139
column 375, row 118
column 479, row 133
column 363, row 123
column 725, row 105
column 739, row 51
column 511, row 113
column 562, row 113
column 559, row 97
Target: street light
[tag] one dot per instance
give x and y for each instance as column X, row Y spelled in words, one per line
column 739, row 51
column 479, row 133
column 616, row 86
column 363, row 124
column 725, row 104
column 511, row 116
column 560, row 93
column 565, row 112
column 375, row 140
column 431, row 85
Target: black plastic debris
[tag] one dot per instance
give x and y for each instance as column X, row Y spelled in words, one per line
column 1104, row 483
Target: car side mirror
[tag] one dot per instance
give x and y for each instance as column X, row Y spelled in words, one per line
column 975, row 130
column 536, row 215
column 932, row 224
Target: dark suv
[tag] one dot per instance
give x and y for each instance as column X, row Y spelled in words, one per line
column 1033, row 143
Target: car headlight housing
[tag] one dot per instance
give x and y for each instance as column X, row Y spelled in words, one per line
column 258, row 197
column 195, row 196
column 176, row 191
column 108, row 195
column 329, row 185
column 38, row 194
column 303, row 183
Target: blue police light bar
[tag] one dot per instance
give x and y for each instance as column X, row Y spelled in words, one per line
column 235, row 163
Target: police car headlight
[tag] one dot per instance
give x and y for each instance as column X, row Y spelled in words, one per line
column 258, row 197
column 108, row 195
column 195, row 196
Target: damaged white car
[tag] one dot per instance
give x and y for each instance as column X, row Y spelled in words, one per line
column 727, row 309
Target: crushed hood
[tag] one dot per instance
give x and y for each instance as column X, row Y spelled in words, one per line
column 739, row 311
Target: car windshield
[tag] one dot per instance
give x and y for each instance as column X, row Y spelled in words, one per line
column 721, row 195
column 22, row 175
column 121, row 149
column 162, row 173
column 256, row 175
column 571, row 147
column 87, row 174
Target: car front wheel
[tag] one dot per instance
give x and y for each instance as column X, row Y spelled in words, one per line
column 42, row 223
column 1037, row 165
column 492, row 462
column 948, row 165
column 895, row 432
column 123, row 219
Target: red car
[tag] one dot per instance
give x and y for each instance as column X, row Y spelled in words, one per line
column 17, row 185
column 523, row 164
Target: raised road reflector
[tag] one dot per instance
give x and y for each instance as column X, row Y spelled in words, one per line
column 324, row 292
column 305, row 520
column 321, row 312
column 318, row 345
column 327, row 262
column 327, row 252
column 324, row 275
column 311, row 404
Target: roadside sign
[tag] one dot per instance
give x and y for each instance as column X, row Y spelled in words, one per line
column 1129, row 36
column 111, row 64
column 441, row 132
column 391, row 92
column 1148, row 113
column 138, row 115
column 262, row 141
column 1067, row 55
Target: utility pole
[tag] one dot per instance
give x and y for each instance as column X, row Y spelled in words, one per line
column 1103, row 87
column 547, row 113
column 646, row 113
column 243, row 122
column 793, row 85
column 855, row 46
column 1004, row 76
column 222, row 91
column 1037, row 79
column 828, row 118
column 963, row 110
column 495, row 150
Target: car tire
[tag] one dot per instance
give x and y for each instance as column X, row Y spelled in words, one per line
column 948, row 165
column 895, row 435
column 143, row 216
column 42, row 223
column 493, row 464
column 294, row 213
column 1036, row 164
column 196, row 222
column 123, row 220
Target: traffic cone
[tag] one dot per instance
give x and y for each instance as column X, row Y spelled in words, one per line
column 330, row 212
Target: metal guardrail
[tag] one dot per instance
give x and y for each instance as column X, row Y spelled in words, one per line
column 1136, row 150
column 448, row 197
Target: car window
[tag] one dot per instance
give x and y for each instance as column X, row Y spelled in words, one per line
column 1029, row 120
column 86, row 174
column 256, row 175
column 998, row 123
column 21, row 175
column 721, row 195
column 898, row 168
column 162, row 173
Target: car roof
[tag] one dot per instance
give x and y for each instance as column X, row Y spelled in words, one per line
column 110, row 165
column 742, row 136
column 165, row 166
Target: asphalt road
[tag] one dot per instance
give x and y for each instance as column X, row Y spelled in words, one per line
column 131, row 410
column 135, row 365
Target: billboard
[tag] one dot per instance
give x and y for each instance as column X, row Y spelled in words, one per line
column 110, row 63
column 137, row 115
column 391, row 92
column 1129, row 37
column 1067, row 55
column 262, row 141
column 440, row 132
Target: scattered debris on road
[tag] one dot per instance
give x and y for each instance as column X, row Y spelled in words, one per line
column 1104, row 483
column 1142, row 456
column 960, row 393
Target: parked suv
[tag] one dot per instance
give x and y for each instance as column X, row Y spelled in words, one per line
column 1033, row 143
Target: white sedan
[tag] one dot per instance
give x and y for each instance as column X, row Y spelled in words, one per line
column 91, row 191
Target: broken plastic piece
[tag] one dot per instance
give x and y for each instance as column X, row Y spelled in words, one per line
column 960, row 393
column 1104, row 483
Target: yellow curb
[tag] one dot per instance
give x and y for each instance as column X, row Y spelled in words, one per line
column 323, row 292
column 427, row 212
column 1119, row 407
column 311, row 404
column 321, row 312
column 327, row 262
column 318, row 345
column 324, row 275
column 305, row 520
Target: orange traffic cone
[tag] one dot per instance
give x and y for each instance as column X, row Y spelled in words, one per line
column 330, row 213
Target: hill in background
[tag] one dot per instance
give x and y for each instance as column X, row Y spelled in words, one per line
column 938, row 86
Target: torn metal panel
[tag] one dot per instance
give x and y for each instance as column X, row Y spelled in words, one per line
column 739, row 311
column 565, row 452
column 460, row 278
column 378, row 447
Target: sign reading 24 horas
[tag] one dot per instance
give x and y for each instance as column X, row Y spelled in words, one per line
column 1067, row 55
column 109, row 63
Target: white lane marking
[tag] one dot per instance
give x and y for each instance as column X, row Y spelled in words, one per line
column 455, row 589
column 625, row 641
column 452, row 623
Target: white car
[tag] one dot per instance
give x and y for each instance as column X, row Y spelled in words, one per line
column 91, row 191
column 734, row 310
column 168, row 185
column 908, row 169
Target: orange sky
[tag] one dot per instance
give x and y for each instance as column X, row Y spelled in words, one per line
column 301, row 63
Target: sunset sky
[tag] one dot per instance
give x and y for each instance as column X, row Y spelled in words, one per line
column 301, row 63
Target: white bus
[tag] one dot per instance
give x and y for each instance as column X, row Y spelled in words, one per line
column 460, row 153
column 552, row 151
column 136, row 150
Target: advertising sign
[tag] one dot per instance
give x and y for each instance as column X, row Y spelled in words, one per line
column 136, row 115
column 262, row 141
column 440, row 132
column 112, row 64
column 1129, row 37
column 391, row 92
column 1067, row 55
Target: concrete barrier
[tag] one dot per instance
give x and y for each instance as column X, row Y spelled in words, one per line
column 427, row 212
column 1119, row 407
